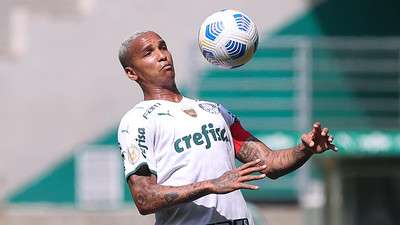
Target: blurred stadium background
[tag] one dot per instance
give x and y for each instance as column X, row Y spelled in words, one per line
column 63, row 93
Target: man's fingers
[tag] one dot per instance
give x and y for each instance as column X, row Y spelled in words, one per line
column 324, row 131
column 249, row 164
column 333, row 147
column 330, row 138
column 316, row 128
column 251, row 177
column 308, row 140
column 317, row 124
column 248, row 186
column 252, row 169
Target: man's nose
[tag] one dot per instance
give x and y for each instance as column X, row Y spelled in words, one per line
column 162, row 56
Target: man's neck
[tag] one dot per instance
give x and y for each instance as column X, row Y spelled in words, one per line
column 163, row 94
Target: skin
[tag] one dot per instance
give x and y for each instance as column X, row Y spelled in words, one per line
column 150, row 196
column 151, row 66
column 285, row 161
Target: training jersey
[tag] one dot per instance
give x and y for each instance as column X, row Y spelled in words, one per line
column 183, row 143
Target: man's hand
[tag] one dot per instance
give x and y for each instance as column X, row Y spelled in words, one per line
column 318, row 140
column 236, row 179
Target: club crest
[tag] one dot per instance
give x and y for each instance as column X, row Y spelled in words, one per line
column 190, row 112
column 209, row 107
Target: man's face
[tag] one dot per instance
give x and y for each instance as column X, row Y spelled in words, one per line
column 151, row 60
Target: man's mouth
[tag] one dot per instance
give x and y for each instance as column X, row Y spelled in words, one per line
column 166, row 67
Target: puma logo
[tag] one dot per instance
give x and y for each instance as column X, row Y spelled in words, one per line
column 165, row 114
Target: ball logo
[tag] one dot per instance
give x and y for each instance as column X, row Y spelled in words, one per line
column 208, row 107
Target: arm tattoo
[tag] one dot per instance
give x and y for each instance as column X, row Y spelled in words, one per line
column 278, row 163
column 140, row 199
column 223, row 180
column 170, row 197
column 150, row 196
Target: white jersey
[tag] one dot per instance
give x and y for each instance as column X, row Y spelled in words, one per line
column 183, row 143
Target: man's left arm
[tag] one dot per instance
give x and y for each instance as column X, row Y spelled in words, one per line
column 281, row 162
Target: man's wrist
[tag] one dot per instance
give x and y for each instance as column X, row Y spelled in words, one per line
column 209, row 186
column 304, row 149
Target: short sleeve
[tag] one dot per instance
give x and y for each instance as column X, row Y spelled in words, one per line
column 229, row 117
column 135, row 138
column 239, row 134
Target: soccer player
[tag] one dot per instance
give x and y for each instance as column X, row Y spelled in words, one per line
column 179, row 153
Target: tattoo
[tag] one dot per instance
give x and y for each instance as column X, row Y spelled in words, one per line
column 140, row 199
column 278, row 163
column 150, row 196
column 253, row 149
column 196, row 191
column 228, row 178
column 170, row 197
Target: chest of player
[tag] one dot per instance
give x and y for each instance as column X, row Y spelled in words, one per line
column 198, row 127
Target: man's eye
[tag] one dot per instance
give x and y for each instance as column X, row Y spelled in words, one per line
column 146, row 53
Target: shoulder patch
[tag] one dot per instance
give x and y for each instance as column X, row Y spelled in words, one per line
column 132, row 154
column 209, row 107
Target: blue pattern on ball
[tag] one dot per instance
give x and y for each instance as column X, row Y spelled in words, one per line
column 208, row 54
column 235, row 49
column 214, row 29
column 242, row 22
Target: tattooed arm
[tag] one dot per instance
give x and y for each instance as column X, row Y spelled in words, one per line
column 150, row 196
column 281, row 162
column 278, row 162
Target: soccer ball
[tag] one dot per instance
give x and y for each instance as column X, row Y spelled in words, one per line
column 228, row 38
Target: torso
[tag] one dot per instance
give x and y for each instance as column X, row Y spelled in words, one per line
column 191, row 143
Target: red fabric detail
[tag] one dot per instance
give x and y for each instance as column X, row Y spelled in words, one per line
column 239, row 135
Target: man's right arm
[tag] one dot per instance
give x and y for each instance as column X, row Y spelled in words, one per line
column 150, row 196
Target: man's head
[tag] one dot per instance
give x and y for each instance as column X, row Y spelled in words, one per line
column 146, row 60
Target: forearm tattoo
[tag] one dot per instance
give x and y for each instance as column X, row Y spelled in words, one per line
column 278, row 162
column 150, row 196
column 170, row 197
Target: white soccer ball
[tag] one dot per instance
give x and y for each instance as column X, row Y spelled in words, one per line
column 228, row 38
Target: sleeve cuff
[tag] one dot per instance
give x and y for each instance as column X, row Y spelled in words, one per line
column 137, row 168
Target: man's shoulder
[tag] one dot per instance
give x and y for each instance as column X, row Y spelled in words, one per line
column 216, row 108
column 209, row 105
column 207, row 102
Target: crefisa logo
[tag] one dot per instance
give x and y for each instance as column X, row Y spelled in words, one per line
column 206, row 136
column 141, row 141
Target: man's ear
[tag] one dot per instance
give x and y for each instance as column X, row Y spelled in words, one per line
column 130, row 72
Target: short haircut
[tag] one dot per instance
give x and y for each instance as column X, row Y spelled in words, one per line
column 124, row 53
